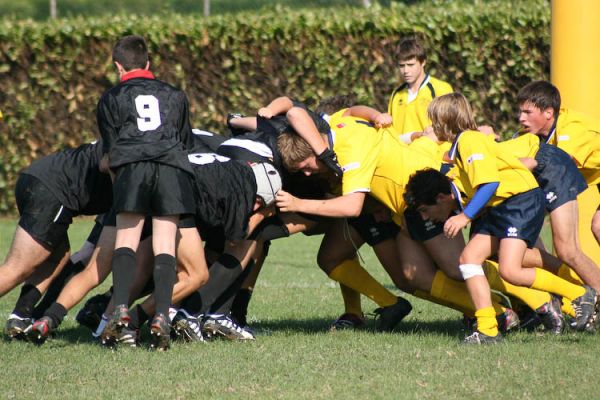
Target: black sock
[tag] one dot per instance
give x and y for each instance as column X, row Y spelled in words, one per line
column 239, row 308
column 123, row 269
column 26, row 301
column 223, row 304
column 165, row 274
column 56, row 312
column 270, row 229
column 57, row 286
column 192, row 304
column 222, row 274
column 138, row 317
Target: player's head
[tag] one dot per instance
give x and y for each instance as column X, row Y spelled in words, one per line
column 539, row 105
column 268, row 182
column 411, row 59
column 131, row 53
column 333, row 104
column 428, row 192
column 297, row 155
column 450, row 115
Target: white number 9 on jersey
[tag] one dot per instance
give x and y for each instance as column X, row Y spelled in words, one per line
column 149, row 112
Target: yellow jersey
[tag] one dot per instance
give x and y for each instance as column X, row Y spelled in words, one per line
column 411, row 116
column 480, row 160
column 524, row 146
column 578, row 136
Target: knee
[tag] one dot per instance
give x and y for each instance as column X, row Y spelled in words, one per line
column 568, row 253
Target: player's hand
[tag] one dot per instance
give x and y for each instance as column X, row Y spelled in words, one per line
column 265, row 112
column 488, row 130
column 454, row 225
column 382, row 120
column 329, row 158
column 286, row 202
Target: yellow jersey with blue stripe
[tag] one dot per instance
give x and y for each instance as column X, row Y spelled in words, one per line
column 480, row 160
column 411, row 116
column 579, row 136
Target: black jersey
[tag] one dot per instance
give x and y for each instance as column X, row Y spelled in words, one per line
column 205, row 142
column 225, row 193
column 261, row 145
column 144, row 119
column 74, row 178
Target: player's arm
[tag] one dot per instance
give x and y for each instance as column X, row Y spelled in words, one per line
column 280, row 105
column 370, row 114
column 348, row 205
column 185, row 129
column 106, row 125
column 482, row 196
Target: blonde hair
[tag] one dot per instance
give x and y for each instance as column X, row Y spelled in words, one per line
column 293, row 149
column 450, row 115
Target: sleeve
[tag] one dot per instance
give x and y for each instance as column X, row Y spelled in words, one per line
column 478, row 158
column 481, row 197
column 185, row 129
column 106, row 124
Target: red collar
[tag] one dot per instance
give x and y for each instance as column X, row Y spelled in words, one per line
column 138, row 73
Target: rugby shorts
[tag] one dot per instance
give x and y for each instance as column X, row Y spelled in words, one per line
column 419, row 229
column 41, row 214
column 518, row 217
column 371, row 231
column 153, row 189
column 557, row 176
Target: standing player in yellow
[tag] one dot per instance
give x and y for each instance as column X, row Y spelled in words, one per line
column 409, row 101
column 506, row 212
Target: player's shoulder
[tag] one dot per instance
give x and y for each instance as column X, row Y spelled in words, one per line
column 441, row 87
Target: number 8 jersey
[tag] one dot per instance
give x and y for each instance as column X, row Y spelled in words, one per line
column 144, row 119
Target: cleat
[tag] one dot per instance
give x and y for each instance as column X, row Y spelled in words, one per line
column 160, row 333
column 585, row 310
column 551, row 316
column 348, row 321
column 41, row 330
column 115, row 324
column 17, row 327
column 187, row 327
column 223, row 326
column 529, row 320
column 388, row 317
column 235, row 131
column 507, row 321
column 129, row 337
column 480, row 338
column 90, row 314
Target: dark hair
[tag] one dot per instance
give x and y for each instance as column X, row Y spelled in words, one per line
column 542, row 94
column 424, row 186
column 410, row 48
column 131, row 52
column 331, row 105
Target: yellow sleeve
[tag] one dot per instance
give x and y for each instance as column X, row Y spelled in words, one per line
column 478, row 158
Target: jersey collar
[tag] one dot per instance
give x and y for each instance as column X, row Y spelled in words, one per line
column 457, row 196
column 454, row 149
column 552, row 132
column 138, row 73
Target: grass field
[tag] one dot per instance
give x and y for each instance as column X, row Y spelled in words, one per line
column 296, row 357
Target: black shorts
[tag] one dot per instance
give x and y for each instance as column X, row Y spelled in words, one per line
column 419, row 229
column 519, row 217
column 558, row 176
column 371, row 231
column 153, row 189
column 110, row 219
column 41, row 214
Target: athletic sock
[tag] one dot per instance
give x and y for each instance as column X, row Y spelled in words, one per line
column 222, row 274
column 532, row 297
column 353, row 275
column 486, row 321
column 56, row 312
column 223, row 303
column 568, row 274
column 549, row 282
column 123, row 270
column 567, row 308
column 239, row 308
column 137, row 317
column 57, row 286
column 26, row 301
column 165, row 275
column 451, row 293
column 351, row 300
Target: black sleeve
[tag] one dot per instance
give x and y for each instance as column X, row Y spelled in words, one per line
column 106, row 124
column 185, row 129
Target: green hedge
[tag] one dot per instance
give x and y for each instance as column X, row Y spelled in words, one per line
column 52, row 74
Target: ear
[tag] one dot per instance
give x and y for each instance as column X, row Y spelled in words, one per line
column 147, row 66
column 443, row 197
column 258, row 203
column 120, row 68
column 548, row 113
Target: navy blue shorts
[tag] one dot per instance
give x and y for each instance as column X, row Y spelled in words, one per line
column 558, row 176
column 41, row 213
column 519, row 217
column 419, row 229
column 371, row 231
